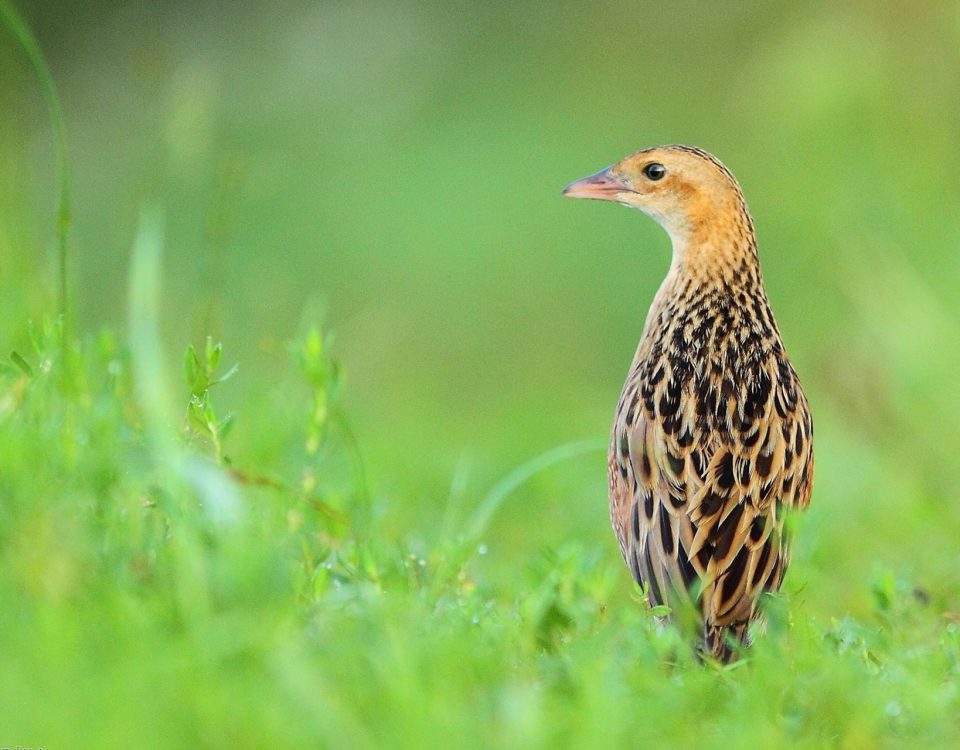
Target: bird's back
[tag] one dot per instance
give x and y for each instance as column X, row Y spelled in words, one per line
column 711, row 443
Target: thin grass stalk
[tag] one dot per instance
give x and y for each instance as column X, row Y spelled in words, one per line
column 22, row 33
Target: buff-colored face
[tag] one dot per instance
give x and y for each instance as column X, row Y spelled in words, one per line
column 680, row 187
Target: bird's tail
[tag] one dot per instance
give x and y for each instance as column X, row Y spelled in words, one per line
column 724, row 642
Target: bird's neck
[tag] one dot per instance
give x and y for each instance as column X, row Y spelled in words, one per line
column 719, row 270
column 710, row 288
column 717, row 252
column 717, row 264
column 713, row 288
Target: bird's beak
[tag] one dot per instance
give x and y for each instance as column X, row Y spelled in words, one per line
column 603, row 185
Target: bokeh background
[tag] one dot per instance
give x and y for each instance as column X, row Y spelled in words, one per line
column 394, row 169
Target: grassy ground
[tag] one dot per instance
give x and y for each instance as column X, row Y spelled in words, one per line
column 158, row 597
column 411, row 548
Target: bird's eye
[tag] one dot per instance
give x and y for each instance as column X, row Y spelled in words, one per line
column 654, row 171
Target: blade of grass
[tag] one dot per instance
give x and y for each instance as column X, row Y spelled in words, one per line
column 150, row 381
column 22, row 33
column 462, row 547
column 491, row 503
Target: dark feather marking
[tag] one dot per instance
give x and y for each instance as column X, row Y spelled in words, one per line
column 635, row 565
column 776, row 576
column 724, row 533
column 687, row 572
column 654, row 586
column 678, row 499
column 676, row 463
column 725, row 472
column 711, row 503
column 704, row 555
column 743, row 474
column 734, row 573
column 668, row 407
column 666, row 531
column 699, row 465
column 763, row 463
column 644, row 463
column 766, row 490
column 761, row 564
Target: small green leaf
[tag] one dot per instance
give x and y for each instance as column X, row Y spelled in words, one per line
column 192, row 368
column 213, row 352
column 209, row 415
column 226, row 426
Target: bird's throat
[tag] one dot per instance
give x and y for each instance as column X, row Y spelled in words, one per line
column 722, row 257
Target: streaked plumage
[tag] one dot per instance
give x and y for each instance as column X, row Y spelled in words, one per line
column 712, row 437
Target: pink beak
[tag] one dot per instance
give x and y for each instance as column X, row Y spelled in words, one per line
column 603, row 186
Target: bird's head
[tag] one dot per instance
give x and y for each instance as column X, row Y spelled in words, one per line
column 684, row 189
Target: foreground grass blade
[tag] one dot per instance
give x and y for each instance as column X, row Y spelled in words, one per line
column 153, row 390
column 18, row 27
column 482, row 516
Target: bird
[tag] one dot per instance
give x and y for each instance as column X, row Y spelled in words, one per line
column 712, row 438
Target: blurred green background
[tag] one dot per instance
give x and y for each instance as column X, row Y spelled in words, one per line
column 396, row 167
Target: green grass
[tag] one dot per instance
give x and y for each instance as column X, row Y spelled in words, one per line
column 399, row 537
column 158, row 598
column 157, row 595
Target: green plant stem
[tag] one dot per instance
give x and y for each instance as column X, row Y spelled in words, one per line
column 18, row 27
column 482, row 516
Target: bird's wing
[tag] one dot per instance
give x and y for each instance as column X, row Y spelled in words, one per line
column 700, row 496
column 645, row 507
column 762, row 468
